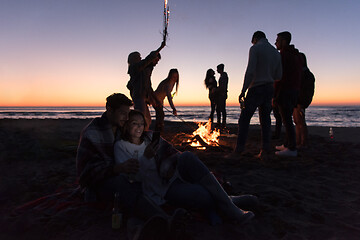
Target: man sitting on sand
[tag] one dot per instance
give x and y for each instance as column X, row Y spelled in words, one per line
column 98, row 173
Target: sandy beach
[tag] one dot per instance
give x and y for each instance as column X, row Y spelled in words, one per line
column 313, row 196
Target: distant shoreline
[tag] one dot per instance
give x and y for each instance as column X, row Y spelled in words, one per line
column 341, row 134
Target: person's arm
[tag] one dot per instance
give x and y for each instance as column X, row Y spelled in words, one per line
column 169, row 97
column 161, row 46
column 250, row 71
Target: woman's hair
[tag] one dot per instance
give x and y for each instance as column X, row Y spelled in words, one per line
column 132, row 58
column 171, row 72
column 126, row 134
column 209, row 74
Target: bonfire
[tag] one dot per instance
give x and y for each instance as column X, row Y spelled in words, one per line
column 203, row 136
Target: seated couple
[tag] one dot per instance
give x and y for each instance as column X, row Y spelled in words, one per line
column 159, row 173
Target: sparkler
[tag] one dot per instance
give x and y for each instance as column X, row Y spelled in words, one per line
column 166, row 19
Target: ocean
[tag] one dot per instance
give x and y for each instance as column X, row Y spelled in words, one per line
column 327, row 116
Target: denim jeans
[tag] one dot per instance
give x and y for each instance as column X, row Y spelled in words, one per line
column 286, row 101
column 221, row 110
column 190, row 194
column 278, row 121
column 257, row 97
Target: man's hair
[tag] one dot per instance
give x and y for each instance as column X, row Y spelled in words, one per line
column 116, row 100
column 286, row 36
column 258, row 35
column 220, row 67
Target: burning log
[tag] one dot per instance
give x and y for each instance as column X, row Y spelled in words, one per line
column 201, row 141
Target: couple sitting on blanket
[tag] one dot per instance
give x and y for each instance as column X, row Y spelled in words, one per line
column 115, row 154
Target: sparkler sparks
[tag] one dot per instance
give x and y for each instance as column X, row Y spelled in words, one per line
column 166, row 19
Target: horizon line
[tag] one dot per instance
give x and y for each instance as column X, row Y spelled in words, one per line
column 182, row 105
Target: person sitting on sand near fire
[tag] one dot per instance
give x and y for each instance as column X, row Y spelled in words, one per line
column 170, row 176
column 99, row 174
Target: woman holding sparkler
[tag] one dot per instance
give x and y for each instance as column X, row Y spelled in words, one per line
column 164, row 90
column 140, row 71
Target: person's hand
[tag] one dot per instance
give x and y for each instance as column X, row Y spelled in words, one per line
column 129, row 166
column 174, row 112
column 241, row 96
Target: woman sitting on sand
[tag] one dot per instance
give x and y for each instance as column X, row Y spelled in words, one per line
column 164, row 90
column 169, row 176
column 211, row 84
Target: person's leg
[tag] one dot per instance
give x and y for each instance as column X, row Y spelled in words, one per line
column 192, row 170
column 224, row 113
column 193, row 196
column 265, row 119
column 244, row 119
column 301, row 127
column 159, row 124
column 130, row 197
column 305, row 133
column 213, row 107
column 298, row 124
column 278, row 122
column 286, row 107
column 219, row 111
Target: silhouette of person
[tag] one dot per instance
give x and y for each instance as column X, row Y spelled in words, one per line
column 287, row 90
column 264, row 67
column 211, row 84
column 304, row 100
column 164, row 90
column 222, row 96
column 140, row 71
column 100, row 176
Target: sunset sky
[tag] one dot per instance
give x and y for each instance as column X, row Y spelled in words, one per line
column 74, row 52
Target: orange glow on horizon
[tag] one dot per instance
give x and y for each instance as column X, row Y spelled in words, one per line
column 178, row 104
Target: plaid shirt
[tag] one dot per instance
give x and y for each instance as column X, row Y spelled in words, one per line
column 95, row 154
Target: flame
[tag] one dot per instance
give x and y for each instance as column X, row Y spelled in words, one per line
column 204, row 131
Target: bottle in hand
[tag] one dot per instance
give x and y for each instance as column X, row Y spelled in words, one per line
column 116, row 214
